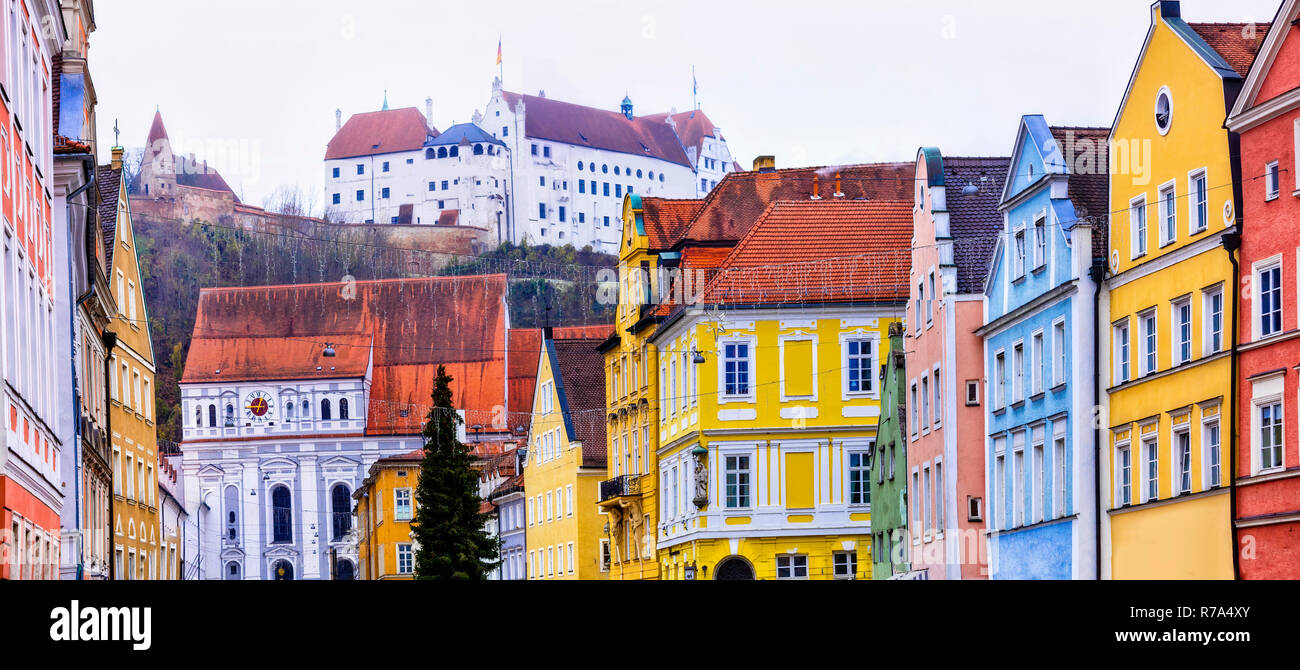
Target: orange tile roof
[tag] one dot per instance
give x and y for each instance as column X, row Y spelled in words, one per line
column 665, row 219
column 525, row 350
column 600, row 331
column 384, row 132
column 820, row 251
column 1236, row 42
column 738, row 200
column 404, row 327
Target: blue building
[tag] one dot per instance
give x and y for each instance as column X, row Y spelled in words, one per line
column 1040, row 355
column 507, row 504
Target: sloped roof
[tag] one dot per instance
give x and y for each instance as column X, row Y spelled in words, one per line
column 741, row 197
column 382, row 132
column 1237, row 43
column 1089, row 192
column 665, row 219
column 974, row 221
column 202, row 176
column 525, row 350
column 412, row 325
column 580, row 125
column 692, row 127
column 109, row 183
column 464, row 131
column 157, row 131
column 820, row 251
column 582, row 380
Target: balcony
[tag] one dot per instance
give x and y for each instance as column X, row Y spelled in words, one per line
column 627, row 485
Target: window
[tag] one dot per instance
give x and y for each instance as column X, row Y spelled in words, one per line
column 1018, row 479
column 915, row 406
column 405, row 559
column 920, row 300
column 1213, row 457
column 341, row 511
column 938, row 496
column 737, row 479
column 1040, row 363
column 1270, row 300
column 1038, row 493
column 1138, row 217
column 1164, row 109
column 1148, row 322
column 1270, row 181
column 335, row 173
column 361, row 168
column 281, row 515
column 1168, row 215
column 361, row 195
column 1213, row 320
column 972, row 392
column 929, row 301
column 925, row 403
column 1019, row 250
column 1018, row 383
column 845, row 564
column 1059, row 469
column 792, row 566
column 582, row 186
column 859, row 365
column 1183, row 459
column 1200, row 202
column 383, row 193
column 1058, row 353
column 1123, row 476
column 334, row 199
column 1270, row 435
column 859, row 478
column 1000, row 379
column 1040, row 242
column 541, row 210
column 1151, row 452
column 736, row 368
column 938, row 398
column 1182, row 319
column 402, row 504
column 997, row 487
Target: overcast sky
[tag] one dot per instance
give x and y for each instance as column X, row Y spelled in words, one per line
column 815, row 83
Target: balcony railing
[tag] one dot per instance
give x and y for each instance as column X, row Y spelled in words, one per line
column 626, row 485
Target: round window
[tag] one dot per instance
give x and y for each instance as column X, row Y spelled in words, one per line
column 1164, row 110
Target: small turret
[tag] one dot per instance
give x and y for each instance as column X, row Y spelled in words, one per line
column 626, row 107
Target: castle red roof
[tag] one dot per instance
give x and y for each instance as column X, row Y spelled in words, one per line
column 692, row 127
column 412, row 326
column 820, row 251
column 566, row 122
column 384, row 132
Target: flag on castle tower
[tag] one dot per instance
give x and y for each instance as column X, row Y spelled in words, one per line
column 498, row 51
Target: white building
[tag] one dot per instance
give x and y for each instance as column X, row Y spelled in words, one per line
column 291, row 393
column 528, row 169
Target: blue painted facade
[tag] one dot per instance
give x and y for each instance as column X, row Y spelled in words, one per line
column 1039, row 369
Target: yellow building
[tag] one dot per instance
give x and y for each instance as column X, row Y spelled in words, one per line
column 566, row 464
column 1171, row 304
column 769, row 396
column 134, row 434
column 385, row 506
column 627, row 499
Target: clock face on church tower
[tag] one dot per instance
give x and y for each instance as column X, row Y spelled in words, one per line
column 257, row 406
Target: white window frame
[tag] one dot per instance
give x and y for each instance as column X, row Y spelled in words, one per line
column 1059, row 350
column 1257, row 296
column 1208, row 478
column 1194, row 207
column 1207, row 317
column 1175, row 331
column 1060, row 468
column 1272, row 185
column 1038, row 474
column 999, row 380
column 751, row 361
column 791, row 562
column 725, row 453
column 1256, row 430
column 1123, row 473
column 1038, row 354
column 870, row 373
column 1168, row 233
column 410, row 504
column 1018, row 512
column 1018, row 372
column 1176, row 462
column 1040, row 240
column 1149, row 335
column 864, row 456
column 1138, row 227
column 1147, row 442
column 997, row 518
column 937, row 404
column 1019, row 250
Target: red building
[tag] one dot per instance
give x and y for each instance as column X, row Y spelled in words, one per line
column 31, row 492
column 1267, row 117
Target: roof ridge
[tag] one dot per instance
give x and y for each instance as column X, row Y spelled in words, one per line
column 354, row 282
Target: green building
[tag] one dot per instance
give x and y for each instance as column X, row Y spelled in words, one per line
column 889, row 491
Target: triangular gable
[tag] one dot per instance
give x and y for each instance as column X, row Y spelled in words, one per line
column 1275, row 45
column 1034, row 148
column 995, row 264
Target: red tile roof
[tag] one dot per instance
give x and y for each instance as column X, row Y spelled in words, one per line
column 692, row 127
column 820, row 251
column 974, row 221
column 582, row 377
column 738, row 200
column 413, row 325
column 665, row 219
column 525, row 350
column 447, row 217
column 1236, row 42
column 109, row 183
column 384, row 132
column 580, row 125
column 157, row 131
column 600, row 332
column 1090, row 193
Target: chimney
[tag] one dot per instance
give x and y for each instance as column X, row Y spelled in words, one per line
column 765, row 164
column 816, row 191
column 541, row 93
column 117, row 158
column 428, row 110
column 338, row 120
column 838, row 192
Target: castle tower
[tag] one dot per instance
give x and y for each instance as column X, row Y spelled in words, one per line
column 158, row 169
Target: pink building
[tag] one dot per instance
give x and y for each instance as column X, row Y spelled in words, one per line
column 956, row 221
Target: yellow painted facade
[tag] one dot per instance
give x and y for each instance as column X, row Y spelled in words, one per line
column 385, row 505
column 1170, row 316
column 137, row 553
column 774, row 495
column 564, row 533
column 630, row 396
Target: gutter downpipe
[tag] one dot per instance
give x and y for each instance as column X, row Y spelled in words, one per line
column 1097, row 273
column 1231, row 244
column 72, row 342
column 110, row 343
